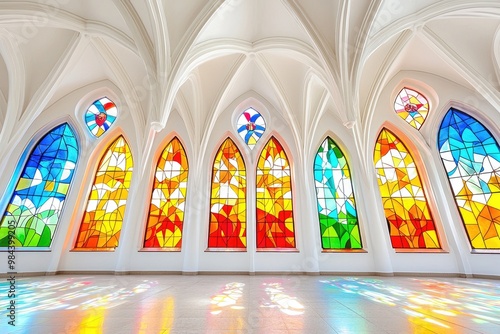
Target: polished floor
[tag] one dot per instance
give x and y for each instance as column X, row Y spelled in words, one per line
column 252, row 304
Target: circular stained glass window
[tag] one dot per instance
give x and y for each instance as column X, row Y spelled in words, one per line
column 251, row 126
column 100, row 116
column 411, row 106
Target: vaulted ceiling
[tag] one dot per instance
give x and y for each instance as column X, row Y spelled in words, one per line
column 304, row 57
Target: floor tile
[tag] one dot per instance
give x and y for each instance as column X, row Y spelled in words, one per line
column 254, row 304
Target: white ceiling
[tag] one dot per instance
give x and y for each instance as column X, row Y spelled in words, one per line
column 198, row 56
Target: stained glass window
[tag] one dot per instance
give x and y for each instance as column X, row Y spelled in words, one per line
column 166, row 211
column 335, row 197
column 251, row 125
column 228, row 199
column 100, row 115
column 471, row 157
column 405, row 205
column 411, row 106
column 102, row 222
column 38, row 199
column 275, row 227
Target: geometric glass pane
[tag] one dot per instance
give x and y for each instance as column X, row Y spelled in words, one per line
column 100, row 115
column 471, row 157
column 275, row 227
column 405, row 205
column 103, row 218
column 36, row 204
column 335, row 199
column 228, row 199
column 411, row 106
column 251, row 126
column 166, row 210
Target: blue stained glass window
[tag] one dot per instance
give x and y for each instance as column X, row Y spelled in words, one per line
column 251, row 125
column 471, row 157
column 37, row 201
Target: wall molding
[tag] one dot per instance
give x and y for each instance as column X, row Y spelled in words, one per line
column 256, row 273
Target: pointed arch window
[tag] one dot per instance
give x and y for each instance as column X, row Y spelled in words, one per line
column 411, row 106
column 251, row 125
column 408, row 215
column 228, row 199
column 38, row 199
column 100, row 116
column 103, row 218
column 471, row 158
column 166, row 211
column 335, row 198
column 275, row 227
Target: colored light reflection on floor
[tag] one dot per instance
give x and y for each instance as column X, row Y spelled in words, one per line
column 432, row 302
column 227, row 298
column 160, row 315
column 73, row 293
column 278, row 298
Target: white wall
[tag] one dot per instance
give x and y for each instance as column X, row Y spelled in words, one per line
column 377, row 256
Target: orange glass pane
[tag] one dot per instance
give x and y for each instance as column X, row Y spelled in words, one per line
column 275, row 227
column 166, row 210
column 102, row 222
column 405, row 204
column 228, row 199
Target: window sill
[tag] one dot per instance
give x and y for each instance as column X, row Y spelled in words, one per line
column 344, row 250
column 84, row 250
column 278, row 250
column 159, row 249
column 229, row 250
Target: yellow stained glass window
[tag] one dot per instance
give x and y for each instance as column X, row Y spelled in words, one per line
column 102, row 222
column 166, row 211
column 228, row 199
column 405, row 204
column 275, row 228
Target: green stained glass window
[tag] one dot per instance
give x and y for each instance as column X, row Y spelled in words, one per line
column 338, row 219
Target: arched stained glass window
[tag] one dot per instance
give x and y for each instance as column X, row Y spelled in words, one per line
column 411, row 106
column 38, row 199
column 336, row 208
column 228, row 199
column 405, row 205
column 471, row 157
column 102, row 222
column 251, row 125
column 166, row 211
column 275, row 227
column 100, row 116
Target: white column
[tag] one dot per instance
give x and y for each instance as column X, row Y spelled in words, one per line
column 371, row 214
column 196, row 214
column 306, row 217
